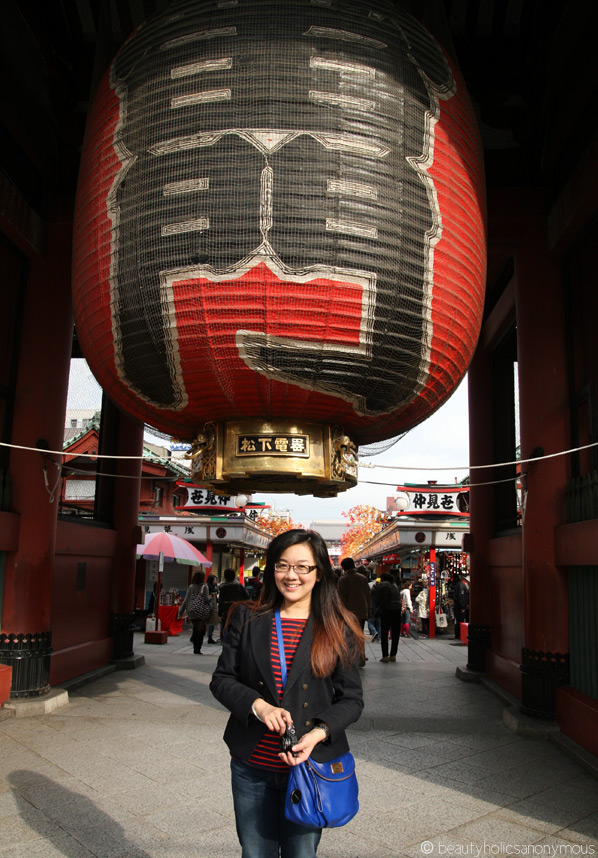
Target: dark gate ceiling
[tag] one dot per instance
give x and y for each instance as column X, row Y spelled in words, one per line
column 503, row 47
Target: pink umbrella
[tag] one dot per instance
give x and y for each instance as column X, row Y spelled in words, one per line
column 173, row 548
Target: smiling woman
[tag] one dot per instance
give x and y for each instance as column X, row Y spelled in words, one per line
column 321, row 697
column 295, row 576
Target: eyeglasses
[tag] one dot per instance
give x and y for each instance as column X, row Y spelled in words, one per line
column 300, row 568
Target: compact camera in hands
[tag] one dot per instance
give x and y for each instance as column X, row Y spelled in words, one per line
column 288, row 739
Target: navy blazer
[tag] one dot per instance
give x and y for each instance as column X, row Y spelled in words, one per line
column 244, row 673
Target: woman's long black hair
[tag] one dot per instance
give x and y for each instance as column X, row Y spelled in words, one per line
column 199, row 577
column 331, row 619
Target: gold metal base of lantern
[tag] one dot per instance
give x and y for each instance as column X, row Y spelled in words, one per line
column 301, row 457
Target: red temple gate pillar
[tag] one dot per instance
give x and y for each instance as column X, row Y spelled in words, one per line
column 481, row 509
column 38, row 421
column 544, row 429
column 126, row 492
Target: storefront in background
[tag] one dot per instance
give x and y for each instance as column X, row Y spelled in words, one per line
column 424, row 543
column 237, row 543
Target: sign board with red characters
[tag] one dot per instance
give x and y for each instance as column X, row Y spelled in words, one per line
column 280, row 214
column 435, row 500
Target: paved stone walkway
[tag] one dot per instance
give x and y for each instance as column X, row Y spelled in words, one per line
column 135, row 767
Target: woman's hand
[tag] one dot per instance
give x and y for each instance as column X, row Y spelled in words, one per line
column 276, row 719
column 304, row 747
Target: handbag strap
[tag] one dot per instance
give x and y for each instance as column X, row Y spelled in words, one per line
column 283, row 661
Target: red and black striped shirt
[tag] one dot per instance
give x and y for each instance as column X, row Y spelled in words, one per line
column 266, row 751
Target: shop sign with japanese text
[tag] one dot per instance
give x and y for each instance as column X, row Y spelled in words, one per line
column 207, row 499
column 450, row 538
column 436, row 500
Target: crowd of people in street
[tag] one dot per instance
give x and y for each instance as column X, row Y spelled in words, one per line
column 220, row 597
column 385, row 605
column 390, row 607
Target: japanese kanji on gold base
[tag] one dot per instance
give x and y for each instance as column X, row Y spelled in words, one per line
column 279, row 455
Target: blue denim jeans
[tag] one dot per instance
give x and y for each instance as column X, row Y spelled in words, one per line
column 262, row 828
column 374, row 626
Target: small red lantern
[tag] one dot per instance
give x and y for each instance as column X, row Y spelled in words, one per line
column 279, row 238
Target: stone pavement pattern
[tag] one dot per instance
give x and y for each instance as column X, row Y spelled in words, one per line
column 135, row 767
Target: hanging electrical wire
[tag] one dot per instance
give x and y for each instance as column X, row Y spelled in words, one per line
column 533, row 459
column 465, row 487
column 149, row 457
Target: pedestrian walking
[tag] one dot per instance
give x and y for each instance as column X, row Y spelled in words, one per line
column 230, row 591
column 354, row 591
column 407, row 609
column 198, row 587
column 388, row 602
column 213, row 619
column 422, row 600
column 461, row 603
column 374, row 618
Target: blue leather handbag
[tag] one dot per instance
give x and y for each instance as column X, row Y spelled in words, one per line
column 319, row 795
column 322, row 795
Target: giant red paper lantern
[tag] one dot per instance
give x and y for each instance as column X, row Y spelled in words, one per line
column 280, row 218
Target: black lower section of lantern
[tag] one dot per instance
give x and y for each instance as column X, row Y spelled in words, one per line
column 542, row 673
column 478, row 641
column 29, row 657
column 122, row 627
